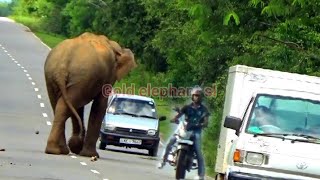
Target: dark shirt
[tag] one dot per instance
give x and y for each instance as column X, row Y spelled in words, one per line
column 194, row 115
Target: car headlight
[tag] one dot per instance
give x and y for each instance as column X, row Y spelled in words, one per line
column 152, row 132
column 110, row 127
column 254, row 158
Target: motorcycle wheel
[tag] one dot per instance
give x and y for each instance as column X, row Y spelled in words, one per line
column 181, row 165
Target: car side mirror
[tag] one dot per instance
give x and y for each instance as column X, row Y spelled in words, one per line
column 233, row 123
column 162, row 118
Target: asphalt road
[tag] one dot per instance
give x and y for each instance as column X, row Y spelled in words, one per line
column 25, row 109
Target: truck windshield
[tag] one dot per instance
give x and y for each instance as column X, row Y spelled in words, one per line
column 133, row 107
column 284, row 115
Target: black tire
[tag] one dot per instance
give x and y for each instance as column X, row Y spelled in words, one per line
column 219, row 177
column 181, row 165
column 153, row 152
column 102, row 145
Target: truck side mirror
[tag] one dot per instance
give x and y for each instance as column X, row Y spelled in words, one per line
column 233, row 123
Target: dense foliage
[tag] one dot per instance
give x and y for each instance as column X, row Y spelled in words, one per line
column 5, row 8
column 188, row 42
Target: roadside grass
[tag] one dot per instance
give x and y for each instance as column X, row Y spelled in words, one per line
column 34, row 24
column 50, row 39
column 164, row 109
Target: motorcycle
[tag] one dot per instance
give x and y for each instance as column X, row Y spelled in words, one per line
column 182, row 155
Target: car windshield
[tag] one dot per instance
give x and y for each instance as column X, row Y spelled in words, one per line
column 133, row 107
column 285, row 115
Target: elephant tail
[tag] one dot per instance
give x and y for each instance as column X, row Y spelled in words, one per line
column 63, row 90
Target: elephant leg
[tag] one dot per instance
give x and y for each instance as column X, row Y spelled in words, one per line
column 53, row 96
column 97, row 113
column 63, row 144
column 76, row 140
column 56, row 143
column 52, row 93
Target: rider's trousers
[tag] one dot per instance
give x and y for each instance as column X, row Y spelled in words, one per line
column 197, row 147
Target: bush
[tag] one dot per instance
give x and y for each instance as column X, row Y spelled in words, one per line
column 33, row 23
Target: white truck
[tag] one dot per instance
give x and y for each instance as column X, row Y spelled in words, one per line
column 270, row 127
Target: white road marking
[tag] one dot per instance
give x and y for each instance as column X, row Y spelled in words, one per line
column 105, row 179
column 22, row 67
column 3, row 48
column 16, row 61
column 9, row 54
column 44, row 114
column 25, row 71
column 74, row 157
column 83, row 163
column 19, row 64
column 41, row 104
column 36, row 89
column 0, row 45
column 41, row 41
column 30, row 78
column 33, row 83
column 5, row 51
column 39, row 96
column 27, row 75
column 94, row 171
column 49, row 123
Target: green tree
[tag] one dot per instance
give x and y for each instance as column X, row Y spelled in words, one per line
column 129, row 23
column 4, row 9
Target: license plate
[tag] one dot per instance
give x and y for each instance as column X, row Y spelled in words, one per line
column 130, row 141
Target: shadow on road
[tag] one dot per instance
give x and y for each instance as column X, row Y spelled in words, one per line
column 133, row 151
column 126, row 151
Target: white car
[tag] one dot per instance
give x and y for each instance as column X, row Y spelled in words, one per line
column 131, row 121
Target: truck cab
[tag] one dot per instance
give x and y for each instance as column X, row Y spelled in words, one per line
column 278, row 137
column 271, row 127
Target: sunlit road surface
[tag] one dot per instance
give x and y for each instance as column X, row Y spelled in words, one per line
column 25, row 109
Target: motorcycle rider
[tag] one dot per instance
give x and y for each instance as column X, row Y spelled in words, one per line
column 193, row 113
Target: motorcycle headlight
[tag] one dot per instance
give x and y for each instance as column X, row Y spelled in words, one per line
column 152, row 132
column 254, row 158
column 110, row 127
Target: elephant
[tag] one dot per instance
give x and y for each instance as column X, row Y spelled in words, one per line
column 76, row 71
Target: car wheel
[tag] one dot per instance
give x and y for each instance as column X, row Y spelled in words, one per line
column 154, row 151
column 102, row 145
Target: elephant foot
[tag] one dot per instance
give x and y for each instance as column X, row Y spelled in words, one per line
column 64, row 150
column 75, row 144
column 89, row 153
column 57, row 150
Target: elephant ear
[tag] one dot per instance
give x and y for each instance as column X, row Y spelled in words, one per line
column 125, row 63
column 115, row 47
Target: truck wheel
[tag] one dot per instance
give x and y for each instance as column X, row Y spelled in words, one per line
column 181, row 165
column 153, row 152
column 102, row 145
